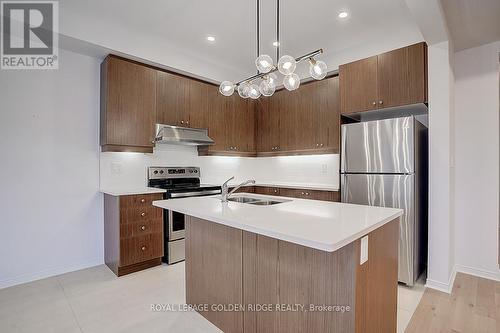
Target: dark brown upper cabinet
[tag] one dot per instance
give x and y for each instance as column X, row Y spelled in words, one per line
column 231, row 124
column 304, row 121
column 181, row 101
column 394, row 78
column 128, row 106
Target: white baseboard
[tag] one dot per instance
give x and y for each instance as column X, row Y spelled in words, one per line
column 440, row 286
column 47, row 273
column 482, row 273
column 447, row 287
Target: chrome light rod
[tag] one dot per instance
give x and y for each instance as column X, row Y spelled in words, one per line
column 275, row 69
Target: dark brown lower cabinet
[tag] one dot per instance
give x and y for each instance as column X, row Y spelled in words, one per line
column 299, row 193
column 133, row 232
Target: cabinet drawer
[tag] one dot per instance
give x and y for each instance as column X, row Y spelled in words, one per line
column 267, row 190
column 308, row 194
column 141, row 214
column 139, row 201
column 141, row 248
column 135, row 229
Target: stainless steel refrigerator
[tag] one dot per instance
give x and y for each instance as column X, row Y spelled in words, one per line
column 384, row 163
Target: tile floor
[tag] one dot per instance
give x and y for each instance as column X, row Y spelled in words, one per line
column 95, row 300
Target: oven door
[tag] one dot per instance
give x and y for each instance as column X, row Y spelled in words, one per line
column 176, row 225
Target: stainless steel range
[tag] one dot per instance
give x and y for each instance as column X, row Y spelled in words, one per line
column 179, row 182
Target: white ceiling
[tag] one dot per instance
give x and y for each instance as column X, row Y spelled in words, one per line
column 183, row 25
column 472, row 22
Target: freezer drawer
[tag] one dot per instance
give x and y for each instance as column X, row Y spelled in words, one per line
column 396, row 191
column 382, row 146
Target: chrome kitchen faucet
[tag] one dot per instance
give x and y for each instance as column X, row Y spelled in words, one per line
column 225, row 195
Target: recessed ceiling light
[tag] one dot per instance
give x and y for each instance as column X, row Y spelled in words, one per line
column 276, row 44
column 343, row 14
column 211, row 38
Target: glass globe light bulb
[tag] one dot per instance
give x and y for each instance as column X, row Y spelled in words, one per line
column 264, row 63
column 244, row 90
column 317, row 69
column 267, row 88
column 254, row 92
column 226, row 88
column 272, row 78
column 286, row 65
column 291, row 82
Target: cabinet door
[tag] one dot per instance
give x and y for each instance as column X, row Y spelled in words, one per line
column 241, row 125
column 197, row 105
column 402, row 77
column 268, row 118
column 173, row 97
column 358, row 85
column 326, row 108
column 218, row 113
column 128, row 106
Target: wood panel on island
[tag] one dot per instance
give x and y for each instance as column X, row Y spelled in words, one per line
column 241, row 267
column 133, row 232
column 392, row 79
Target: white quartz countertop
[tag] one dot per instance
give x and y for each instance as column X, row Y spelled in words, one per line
column 131, row 191
column 321, row 225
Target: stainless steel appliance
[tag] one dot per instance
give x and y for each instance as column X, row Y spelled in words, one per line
column 385, row 163
column 182, row 135
column 179, row 182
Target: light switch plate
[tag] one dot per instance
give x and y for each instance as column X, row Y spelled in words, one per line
column 363, row 257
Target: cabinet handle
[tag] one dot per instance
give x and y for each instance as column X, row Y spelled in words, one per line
column 272, row 148
column 143, row 227
column 187, row 122
column 317, row 145
column 143, row 248
column 380, row 102
column 321, row 145
column 182, row 121
column 275, row 191
column 143, row 200
column 302, row 193
column 307, row 193
column 143, row 214
column 374, row 103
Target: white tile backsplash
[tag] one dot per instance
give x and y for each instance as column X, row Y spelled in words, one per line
column 122, row 170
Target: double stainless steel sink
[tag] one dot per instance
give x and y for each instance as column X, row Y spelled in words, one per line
column 263, row 201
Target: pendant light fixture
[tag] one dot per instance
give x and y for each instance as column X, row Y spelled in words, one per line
column 265, row 81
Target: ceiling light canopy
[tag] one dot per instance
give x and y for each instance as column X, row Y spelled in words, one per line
column 265, row 81
column 343, row 14
column 211, row 38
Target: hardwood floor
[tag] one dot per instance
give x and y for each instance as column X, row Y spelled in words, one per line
column 473, row 306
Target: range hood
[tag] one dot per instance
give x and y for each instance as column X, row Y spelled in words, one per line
column 182, row 135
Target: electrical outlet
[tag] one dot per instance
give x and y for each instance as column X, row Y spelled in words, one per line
column 324, row 168
column 363, row 257
column 116, row 168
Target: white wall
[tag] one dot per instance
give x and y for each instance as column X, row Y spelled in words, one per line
column 128, row 170
column 477, row 160
column 50, row 208
column 441, row 251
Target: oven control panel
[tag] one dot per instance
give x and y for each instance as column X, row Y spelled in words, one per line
column 171, row 172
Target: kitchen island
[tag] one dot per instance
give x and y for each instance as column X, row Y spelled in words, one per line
column 295, row 266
